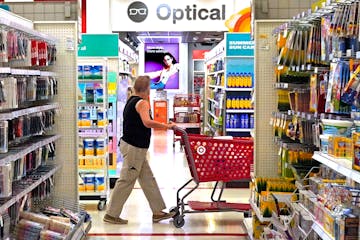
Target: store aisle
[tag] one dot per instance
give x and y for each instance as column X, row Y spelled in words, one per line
column 171, row 171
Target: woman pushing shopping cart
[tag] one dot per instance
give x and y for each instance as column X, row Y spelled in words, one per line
column 213, row 159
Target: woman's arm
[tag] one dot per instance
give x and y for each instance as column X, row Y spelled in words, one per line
column 153, row 74
column 143, row 108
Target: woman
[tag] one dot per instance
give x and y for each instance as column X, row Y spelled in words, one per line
column 170, row 68
column 134, row 145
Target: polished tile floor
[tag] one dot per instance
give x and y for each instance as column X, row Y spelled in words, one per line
column 171, row 171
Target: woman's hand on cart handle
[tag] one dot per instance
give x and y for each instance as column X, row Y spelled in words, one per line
column 170, row 125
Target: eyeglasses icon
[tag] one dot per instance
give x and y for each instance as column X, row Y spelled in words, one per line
column 135, row 11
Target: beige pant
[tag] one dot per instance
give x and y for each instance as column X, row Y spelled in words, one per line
column 135, row 167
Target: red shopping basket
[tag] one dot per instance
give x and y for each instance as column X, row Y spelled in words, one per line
column 217, row 159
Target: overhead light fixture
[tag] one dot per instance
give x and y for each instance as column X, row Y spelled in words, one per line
column 144, row 39
column 195, row 38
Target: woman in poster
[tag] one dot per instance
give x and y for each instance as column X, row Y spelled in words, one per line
column 170, row 68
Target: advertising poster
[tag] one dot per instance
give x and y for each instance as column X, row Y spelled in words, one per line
column 162, row 65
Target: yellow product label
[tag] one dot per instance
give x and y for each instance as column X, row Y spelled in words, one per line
column 242, row 80
column 241, row 104
column 89, row 152
column 100, row 151
column 89, row 187
column 237, row 80
column 101, row 123
column 237, row 103
column 81, row 188
column 233, row 103
column 228, row 103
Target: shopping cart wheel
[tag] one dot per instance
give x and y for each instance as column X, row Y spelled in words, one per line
column 101, row 205
column 179, row 221
column 174, row 209
column 247, row 214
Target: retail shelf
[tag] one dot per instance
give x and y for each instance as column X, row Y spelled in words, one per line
column 83, row 104
column 239, row 110
column 82, row 80
column 92, row 135
column 238, row 129
column 248, row 226
column 321, row 232
column 188, row 125
column 91, row 170
column 341, row 165
column 26, row 111
column 211, row 128
column 290, row 86
column 92, row 127
column 47, row 74
column 218, row 54
column 215, row 73
column 216, row 86
column 213, row 115
column 239, row 89
column 258, row 213
column 15, row 153
column 124, row 73
column 25, row 72
column 89, row 194
column 18, row 194
column 212, row 100
column 198, row 72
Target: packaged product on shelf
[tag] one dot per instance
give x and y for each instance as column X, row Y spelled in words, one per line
column 356, row 151
column 89, row 180
column 48, row 234
column 89, row 147
column 100, row 182
column 100, row 146
column 6, row 181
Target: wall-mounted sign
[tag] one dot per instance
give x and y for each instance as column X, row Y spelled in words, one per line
column 162, row 65
column 185, row 15
column 99, row 45
column 239, row 44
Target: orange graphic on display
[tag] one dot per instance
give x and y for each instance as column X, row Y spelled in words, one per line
column 240, row 22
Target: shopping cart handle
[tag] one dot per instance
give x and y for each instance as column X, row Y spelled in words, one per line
column 179, row 129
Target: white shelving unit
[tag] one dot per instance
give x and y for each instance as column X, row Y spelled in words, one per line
column 214, row 90
column 92, row 167
column 343, row 166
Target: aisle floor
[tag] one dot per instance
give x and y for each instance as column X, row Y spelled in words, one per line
column 171, row 171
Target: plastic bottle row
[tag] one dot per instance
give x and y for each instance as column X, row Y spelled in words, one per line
column 239, row 120
column 239, row 80
column 217, row 66
column 238, row 103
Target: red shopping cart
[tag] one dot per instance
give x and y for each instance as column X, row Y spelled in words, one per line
column 213, row 159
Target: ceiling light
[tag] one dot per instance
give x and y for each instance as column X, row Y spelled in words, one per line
column 195, row 38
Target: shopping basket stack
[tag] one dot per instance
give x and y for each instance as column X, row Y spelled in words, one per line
column 213, row 159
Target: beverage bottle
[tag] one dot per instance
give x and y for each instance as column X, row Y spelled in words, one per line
column 241, row 84
column 252, row 121
column 237, row 103
column 233, row 103
column 231, row 125
column 237, row 80
column 241, row 105
column 242, row 125
column 229, row 79
column 250, row 80
column 246, row 121
column 227, row 123
column 236, row 121
column 228, row 103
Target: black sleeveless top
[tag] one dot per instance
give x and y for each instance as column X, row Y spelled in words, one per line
column 134, row 131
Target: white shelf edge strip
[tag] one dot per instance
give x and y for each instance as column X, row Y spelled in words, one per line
column 342, row 166
column 16, row 26
column 248, row 226
column 22, row 112
column 258, row 213
column 18, row 197
column 33, row 147
column 321, row 232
